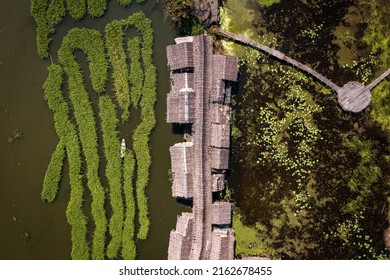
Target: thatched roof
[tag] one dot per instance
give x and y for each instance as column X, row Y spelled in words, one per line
column 181, row 107
column 222, row 247
column 182, row 163
column 220, row 114
column 218, row 91
column 217, row 182
column 180, row 240
column 220, row 135
column 180, row 56
column 219, row 158
column 200, row 95
column 225, row 67
column 182, row 81
column 221, row 213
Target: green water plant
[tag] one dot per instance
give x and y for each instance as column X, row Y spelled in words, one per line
column 122, row 76
column 142, row 133
column 47, row 15
column 53, row 173
column 90, row 42
column 109, row 123
column 68, row 136
column 136, row 75
column 96, row 8
column 77, row 8
column 128, row 239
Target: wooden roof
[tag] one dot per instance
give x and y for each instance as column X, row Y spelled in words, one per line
column 181, row 107
column 222, row 246
column 220, row 114
column 180, row 56
column 220, row 135
column 182, row 163
column 225, row 67
column 219, row 158
column 180, row 240
column 221, row 213
column 182, row 81
column 199, row 81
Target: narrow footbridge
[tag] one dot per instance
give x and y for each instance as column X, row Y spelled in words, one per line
column 352, row 97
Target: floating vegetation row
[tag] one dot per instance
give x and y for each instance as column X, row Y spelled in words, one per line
column 109, row 121
column 53, row 173
column 68, row 135
column 91, row 43
column 142, row 133
column 47, row 14
column 128, row 2
column 128, row 242
column 136, row 75
column 122, row 77
column 96, row 8
column 76, row 8
column 120, row 74
column 77, row 127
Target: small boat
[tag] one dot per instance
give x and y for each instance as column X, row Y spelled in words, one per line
column 123, row 148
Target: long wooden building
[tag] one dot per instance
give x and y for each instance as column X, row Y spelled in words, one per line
column 200, row 99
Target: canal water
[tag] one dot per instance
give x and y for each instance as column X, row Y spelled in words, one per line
column 30, row 228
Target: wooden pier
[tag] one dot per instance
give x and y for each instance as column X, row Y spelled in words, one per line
column 199, row 98
column 352, row 97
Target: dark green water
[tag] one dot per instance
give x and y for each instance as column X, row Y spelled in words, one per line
column 29, row 228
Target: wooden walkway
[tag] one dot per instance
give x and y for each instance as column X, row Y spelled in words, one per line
column 206, row 232
column 202, row 177
column 277, row 54
column 352, row 97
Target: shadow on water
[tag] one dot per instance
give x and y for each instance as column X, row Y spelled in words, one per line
column 31, row 229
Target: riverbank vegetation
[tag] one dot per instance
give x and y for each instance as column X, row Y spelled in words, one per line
column 77, row 127
column 310, row 181
column 181, row 15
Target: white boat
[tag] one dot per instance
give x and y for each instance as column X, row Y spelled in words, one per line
column 123, row 148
